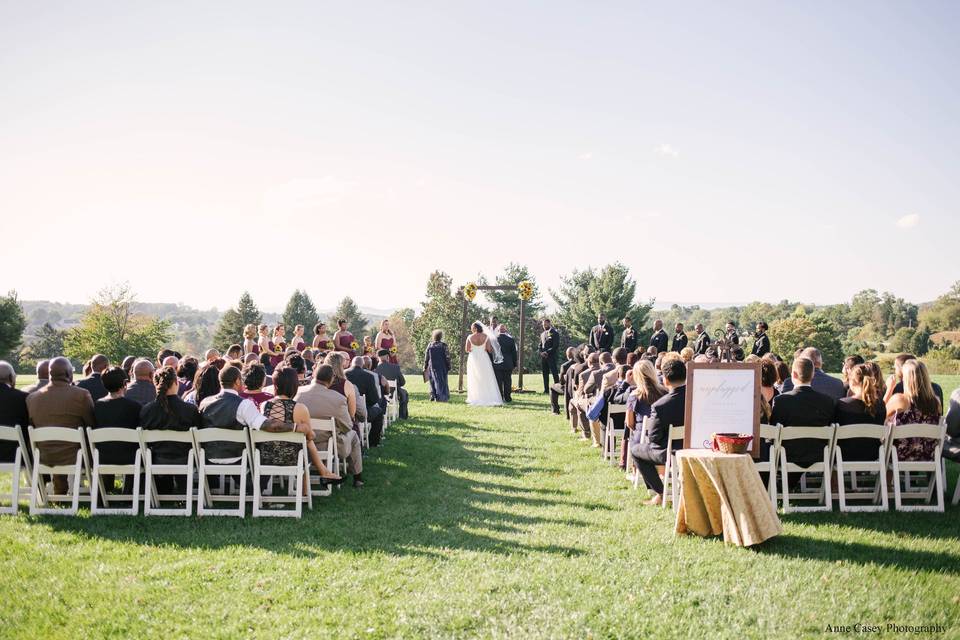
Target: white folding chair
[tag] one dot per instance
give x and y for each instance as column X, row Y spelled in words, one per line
column 897, row 466
column 365, row 426
column 151, row 498
column 671, row 476
column 644, row 437
column 235, row 466
column 611, row 434
column 823, row 494
column 98, row 470
column 299, row 492
column 76, row 472
column 330, row 454
column 393, row 402
column 770, row 433
column 19, row 469
column 875, row 432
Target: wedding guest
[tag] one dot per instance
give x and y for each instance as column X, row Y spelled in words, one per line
column 647, row 389
column 13, row 409
column 297, row 341
column 783, row 374
column 581, row 401
column 822, row 382
column 392, row 372
column 142, row 389
column 308, row 361
column 761, row 341
column 557, row 388
column 205, row 384
column 612, row 376
column 951, row 444
column 387, row 340
column 367, row 347
column 340, row 384
column 94, row 384
column 323, row 402
column 234, row 353
column 732, row 332
column 899, row 361
column 803, row 406
column 368, row 387
column 254, row 376
column 60, row 404
column 848, row 364
column 168, row 412
column 549, row 345
column 186, row 372
column 250, row 340
column 283, row 408
column 211, row 356
column 592, row 387
column 702, row 342
column 343, row 340
column 768, row 391
column 127, row 366
column 666, row 412
column 864, row 405
column 43, row 377
column 916, row 404
column 629, row 338
column 570, row 384
column 686, row 354
column 436, row 367
column 320, row 338
column 116, row 411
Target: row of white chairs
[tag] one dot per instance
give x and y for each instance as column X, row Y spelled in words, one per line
column 777, row 436
column 86, row 473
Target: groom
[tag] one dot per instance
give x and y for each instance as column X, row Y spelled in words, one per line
column 504, row 369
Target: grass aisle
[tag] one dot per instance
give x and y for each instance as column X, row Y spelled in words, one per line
column 474, row 522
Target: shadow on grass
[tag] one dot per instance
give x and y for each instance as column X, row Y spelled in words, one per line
column 791, row 546
column 917, row 524
column 427, row 493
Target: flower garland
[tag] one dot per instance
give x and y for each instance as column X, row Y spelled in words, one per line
column 470, row 291
column 525, row 290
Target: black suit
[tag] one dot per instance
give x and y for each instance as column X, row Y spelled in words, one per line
column 601, row 337
column 393, row 373
column 628, row 339
column 803, row 407
column 549, row 345
column 94, row 385
column 366, row 383
column 700, row 346
column 504, row 370
column 13, row 412
column 666, row 412
column 679, row 341
column 558, row 388
column 659, row 340
column 761, row 346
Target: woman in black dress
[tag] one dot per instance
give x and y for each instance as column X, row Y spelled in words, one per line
column 436, row 367
column 863, row 406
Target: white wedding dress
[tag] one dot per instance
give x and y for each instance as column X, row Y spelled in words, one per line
column 482, row 389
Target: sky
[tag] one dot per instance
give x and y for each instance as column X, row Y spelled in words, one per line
column 725, row 152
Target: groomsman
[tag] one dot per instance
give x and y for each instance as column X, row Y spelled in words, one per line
column 504, row 369
column 679, row 338
column 761, row 343
column 732, row 332
column 549, row 344
column 601, row 336
column 659, row 337
column 703, row 340
column 628, row 339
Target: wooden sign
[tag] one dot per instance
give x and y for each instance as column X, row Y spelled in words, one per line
column 722, row 398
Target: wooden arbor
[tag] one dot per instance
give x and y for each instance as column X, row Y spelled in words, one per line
column 463, row 331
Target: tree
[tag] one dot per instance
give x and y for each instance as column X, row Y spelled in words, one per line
column 47, row 343
column 401, row 322
column 442, row 310
column 300, row 310
column 111, row 327
column 506, row 307
column 944, row 313
column 920, row 343
column 230, row 328
column 348, row 310
column 800, row 331
column 12, row 324
column 584, row 294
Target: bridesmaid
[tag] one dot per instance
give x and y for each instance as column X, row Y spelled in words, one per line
column 343, row 340
column 250, row 340
column 266, row 346
column 436, row 367
column 368, row 349
column 298, row 342
column 387, row 340
column 279, row 345
column 320, row 338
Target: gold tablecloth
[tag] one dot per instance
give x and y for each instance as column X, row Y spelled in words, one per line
column 722, row 493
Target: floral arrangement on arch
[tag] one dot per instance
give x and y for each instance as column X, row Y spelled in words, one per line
column 470, row 291
column 525, row 290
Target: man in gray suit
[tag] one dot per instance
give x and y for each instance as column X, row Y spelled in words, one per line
column 324, row 402
column 822, row 382
column 43, row 377
column 142, row 389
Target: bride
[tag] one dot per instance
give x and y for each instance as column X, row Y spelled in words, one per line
column 482, row 345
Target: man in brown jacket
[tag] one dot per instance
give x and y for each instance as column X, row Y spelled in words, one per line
column 60, row 404
column 324, row 402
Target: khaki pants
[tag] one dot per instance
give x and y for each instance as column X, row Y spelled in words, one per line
column 595, row 431
column 348, row 446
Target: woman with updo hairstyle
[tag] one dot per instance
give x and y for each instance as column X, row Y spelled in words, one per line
column 297, row 342
column 169, row 412
column 320, row 338
column 187, row 371
column 387, row 340
column 205, row 384
column 343, row 340
column 864, row 405
column 250, row 340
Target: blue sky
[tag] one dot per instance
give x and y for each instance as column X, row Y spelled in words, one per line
column 724, row 152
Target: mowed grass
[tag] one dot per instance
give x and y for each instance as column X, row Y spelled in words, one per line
column 492, row 523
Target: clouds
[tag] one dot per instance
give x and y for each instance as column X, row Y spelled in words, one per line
column 909, row 221
column 667, row 150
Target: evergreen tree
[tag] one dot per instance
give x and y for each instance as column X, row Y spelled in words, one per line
column 610, row 291
column 443, row 309
column 300, row 310
column 12, row 324
column 47, row 343
column 506, row 307
column 348, row 310
column 230, row 328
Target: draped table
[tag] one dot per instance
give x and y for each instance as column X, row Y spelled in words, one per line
column 722, row 493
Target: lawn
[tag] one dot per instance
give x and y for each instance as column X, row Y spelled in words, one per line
column 486, row 523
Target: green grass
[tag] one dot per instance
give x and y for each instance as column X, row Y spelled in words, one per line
column 474, row 523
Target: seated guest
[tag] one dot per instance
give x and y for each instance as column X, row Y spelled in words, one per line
column 142, row 389
column 822, row 382
column 253, row 377
column 370, row 363
column 768, row 391
column 205, row 384
column 43, row 377
column 323, row 402
column 612, row 376
column 116, row 411
column 60, row 404
column 13, row 410
column 803, row 406
column 93, row 384
column 864, row 405
column 666, row 412
column 916, row 404
column 186, row 372
column 897, row 379
column 367, row 385
column 298, row 363
column 557, row 388
column 234, row 352
column 308, row 361
column 783, row 374
column 169, row 413
column 848, row 364
column 392, row 372
column 588, row 390
column 283, row 408
column 951, row 445
column 646, row 391
column 211, row 356
column 686, row 354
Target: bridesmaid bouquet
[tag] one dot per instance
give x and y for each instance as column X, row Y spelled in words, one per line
column 354, row 345
column 394, row 350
